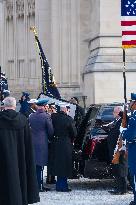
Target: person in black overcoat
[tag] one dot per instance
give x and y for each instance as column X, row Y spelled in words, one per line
column 50, row 179
column 62, row 147
column 18, row 182
column 79, row 113
column 120, row 170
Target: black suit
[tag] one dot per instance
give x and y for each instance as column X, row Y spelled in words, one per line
column 120, row 170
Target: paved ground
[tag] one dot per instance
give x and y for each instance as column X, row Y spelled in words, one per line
column 85, row 192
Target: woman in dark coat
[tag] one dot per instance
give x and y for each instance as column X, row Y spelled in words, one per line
column 18, row 183
column 42, row 130
column 62, row 147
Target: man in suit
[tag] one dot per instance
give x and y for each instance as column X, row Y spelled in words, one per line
column 119, row 170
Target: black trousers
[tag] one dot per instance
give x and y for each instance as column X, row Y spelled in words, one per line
column 39, row 172
column 121, row 183
column 133, row 182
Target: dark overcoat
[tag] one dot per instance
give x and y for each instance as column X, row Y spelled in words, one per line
column 42, row 130
column 62, row 145
column 24, row 106
column 29, row 112
column 18, row 183
column 121, row 169
column 130, row 135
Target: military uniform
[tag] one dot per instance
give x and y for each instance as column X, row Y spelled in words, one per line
column 42, row 130
column 24, row 103
column 129, row 134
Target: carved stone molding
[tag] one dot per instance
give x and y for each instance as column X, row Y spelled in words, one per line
column 31, row 7
column 9, row 7
column 20, row 8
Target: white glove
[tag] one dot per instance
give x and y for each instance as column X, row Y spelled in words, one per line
column 122, row 129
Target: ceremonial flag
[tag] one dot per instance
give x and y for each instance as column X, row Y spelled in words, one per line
column 128, row 23
column 48, row 82
column 3, row 82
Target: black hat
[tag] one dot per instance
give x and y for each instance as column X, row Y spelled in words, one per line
column 133, row 96
column 25, row 94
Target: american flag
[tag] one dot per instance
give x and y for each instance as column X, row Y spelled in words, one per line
column 128, row 23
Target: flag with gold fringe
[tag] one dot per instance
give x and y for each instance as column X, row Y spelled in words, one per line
column 49, row 86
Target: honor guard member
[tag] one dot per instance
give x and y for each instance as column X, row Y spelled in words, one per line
column 42, row 131
column 129, row 134
column 62, row 147
column 32, row 107
column 24, row 102
column 6, row 93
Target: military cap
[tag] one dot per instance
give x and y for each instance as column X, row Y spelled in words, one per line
column 31, row 101
column 6, row 91
column 25, row 94
column 133, row 97
column 64, row 105
column 42, row 102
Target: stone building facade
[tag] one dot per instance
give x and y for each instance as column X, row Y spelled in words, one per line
column 80, row 38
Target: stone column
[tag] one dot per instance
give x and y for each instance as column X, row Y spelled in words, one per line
column 65, row 32
column 2, row 37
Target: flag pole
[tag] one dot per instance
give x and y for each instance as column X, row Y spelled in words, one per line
column 124, row 74
column 0, row 90
column 119, row 145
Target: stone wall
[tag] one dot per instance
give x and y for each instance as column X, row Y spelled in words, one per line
column 81, row 40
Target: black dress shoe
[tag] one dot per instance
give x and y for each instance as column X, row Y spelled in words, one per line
column 129, row 188
column 63, row 190
column 132, row 203
column 51, row 182
column 44, row 189
column 115, row 192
